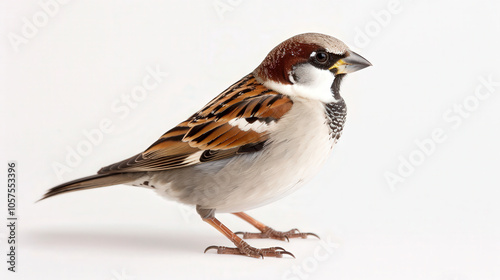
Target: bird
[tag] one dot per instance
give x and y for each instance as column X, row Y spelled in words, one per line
column 259, row 140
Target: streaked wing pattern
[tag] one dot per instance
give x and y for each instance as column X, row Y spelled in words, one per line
column 237, row 121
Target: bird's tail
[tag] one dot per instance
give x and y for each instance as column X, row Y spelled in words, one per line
column 94, row 181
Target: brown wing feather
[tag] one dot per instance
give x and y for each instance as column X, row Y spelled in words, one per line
column 208, row 135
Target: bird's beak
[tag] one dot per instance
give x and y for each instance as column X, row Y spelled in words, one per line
column 349, row 64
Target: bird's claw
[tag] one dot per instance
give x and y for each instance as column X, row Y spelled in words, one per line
column 279, row 235
column 247, row 250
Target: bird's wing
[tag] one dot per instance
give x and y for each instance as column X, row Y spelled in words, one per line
column 237, row 121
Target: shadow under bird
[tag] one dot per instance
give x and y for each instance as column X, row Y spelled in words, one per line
column 254, row 143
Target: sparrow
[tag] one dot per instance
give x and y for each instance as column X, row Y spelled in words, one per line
column 256, row 142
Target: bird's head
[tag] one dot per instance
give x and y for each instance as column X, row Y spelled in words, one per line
column 309, row 65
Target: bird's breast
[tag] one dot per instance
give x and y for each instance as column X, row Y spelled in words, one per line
column 298, row 147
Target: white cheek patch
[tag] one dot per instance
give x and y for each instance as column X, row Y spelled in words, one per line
column 256, row 126
column 309, row 82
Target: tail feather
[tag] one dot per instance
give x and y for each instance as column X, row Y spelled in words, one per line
column 94, row 181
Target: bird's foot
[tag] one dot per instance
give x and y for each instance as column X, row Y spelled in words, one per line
column 279, row 235
column 247, row 250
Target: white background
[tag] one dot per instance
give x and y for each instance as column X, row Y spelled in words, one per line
column 441, row 222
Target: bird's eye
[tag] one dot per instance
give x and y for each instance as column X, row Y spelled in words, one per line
column 321, row 57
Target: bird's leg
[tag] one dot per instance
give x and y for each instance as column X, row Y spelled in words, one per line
column 268, row 232
column 242, row 248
